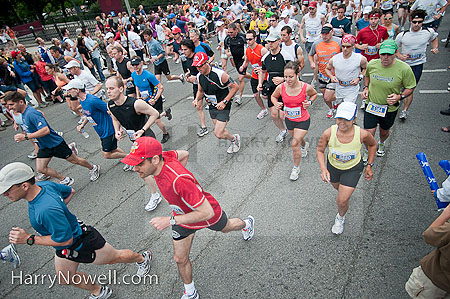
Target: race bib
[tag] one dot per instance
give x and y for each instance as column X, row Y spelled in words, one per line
column 313, row 33
column 376, row 109
column 212, row 99
column 255, row 65
column 263, row 36
column 145, row 95
column 371, row 50
column 415, row 56
column 343, row 157
column 91, row 120
column 345, row 83
column 131, row 134
column 293, row 113
column 183, row 57
column 324, row 78
column 130, row 84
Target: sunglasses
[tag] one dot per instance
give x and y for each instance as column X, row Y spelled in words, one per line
column 346, row 46
column 388, row 18
column 311, row 8
column 417, row 22
column 249, row 39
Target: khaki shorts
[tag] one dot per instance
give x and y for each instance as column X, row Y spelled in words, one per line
column 420, row 286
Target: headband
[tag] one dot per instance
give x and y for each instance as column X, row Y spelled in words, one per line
column 374, row 15
column 348, row 38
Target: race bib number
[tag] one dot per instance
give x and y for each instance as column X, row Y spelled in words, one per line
column 293, row 113
column 371, row 50
column 130, row 84
column 343, row 157
column 345, row 83
column 255, row 65
column 145, row 95
column 376, row 109
column 415, row 56
column 263, row 36
column 324, row 78
column 212, row 99
column 91, row 120
column 131, row 134
column 183, row 57
column 313, row 33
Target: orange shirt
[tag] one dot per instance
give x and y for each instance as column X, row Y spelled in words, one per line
column 254, row 57
column 324, row 52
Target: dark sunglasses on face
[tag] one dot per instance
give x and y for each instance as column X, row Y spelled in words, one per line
column 346, row 46
column 249, row 38
column 417, row 22
column 388, row 18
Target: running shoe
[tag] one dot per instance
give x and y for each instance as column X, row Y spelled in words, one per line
column 338, row 227
column 94, row 173
column 380, row 151
column 403, row 115
column 42, row 177
column 262, row 114
column 43, row 105
column 294, row 173
column 74, row 113
column 32, row 156
column 67, row 181
column 165, row 138
column 144, row 267
column 305, row 150
column 73, row 147
column 128, row 168
column 177, row 60
column 105, row 293
column 330, row 113
column 193, row 296
column 206, row 106
column 202, row 132
column 365, row 157
column 280, row 137
column 60, row 133
column 235, row 145
column 182, row 79
column 163, row 98
column 314, row 83
column 9, row 254
column 238, row 100
column 248, row 233
column 155, row 199
column 169, row 113
column 81, row 120
column 363, row 104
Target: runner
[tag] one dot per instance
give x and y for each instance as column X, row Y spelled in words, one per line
column 273, row 63
column 413, row 50
column 289, row 48
column 56, row 226
column 253, row 56
column 325, row 49
column 349, row 69
column 193, row 208
column 344, row 163
column 150, row 89
column 341, row 24
column 294, row 103
column 369, row 39
column 262, row 25
column 49, row 142
column 387, row 81
column 92, row 85
column 124, row 69
column 219, row 89
column 132, row 113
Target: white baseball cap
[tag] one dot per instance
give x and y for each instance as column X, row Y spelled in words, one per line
column 74, row 83
column 72, row 63
column 109, row 35
column 14, row 173
column 346, row 110
column 367, row 10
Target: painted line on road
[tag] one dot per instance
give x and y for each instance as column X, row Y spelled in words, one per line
column 307, row 74
column 435, row 71
column 430, row 91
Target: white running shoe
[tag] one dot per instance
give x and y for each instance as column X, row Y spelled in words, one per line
column 105, row 293
column 60, row 133
column 338, row 227
column 403, row 115
column 32, row 156
column 155, row 199
column 330, row 113
column 305, row 150
column 238, row 100
column 280, row 137
column 294, row 173
column 380, row 151
column 314, row 83
column 363, row 104
column 182, row 79
column 235, row 145
column 94, row 173
column 42, row 177
column 248, row 233
column 128, row 168
column 9, row 254
column 365, row 157
column 144, row 267
column 81, row 120
column 262, row 114
column 193, row 296
column 73, row 147
column 67, row 181
column 202, row 132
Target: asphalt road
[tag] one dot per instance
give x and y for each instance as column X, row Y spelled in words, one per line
column 293, row 253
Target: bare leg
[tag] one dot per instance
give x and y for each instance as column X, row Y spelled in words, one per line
column 220, row 130
column 234, row 224
column 42, row 167
column 277, row 120
column 182, row 248
column 74, row 159
column 297, row 140
column 150, row 181
column 343, row 198
column 118, row 153
column 201, row 114
column 161, row 125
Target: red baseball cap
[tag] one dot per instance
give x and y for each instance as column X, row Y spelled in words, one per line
column 14, row 53
column 176, row 30
column 200, row 58
column 313, row 4
column 142, row 148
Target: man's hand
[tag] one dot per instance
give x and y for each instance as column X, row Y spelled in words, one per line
column 220, row 106
column 18, row 235
column 368, row 173
column 138, row 134
column 194, row 103
column 19, row 137
column 259, row 87
column 364, row 46
column 119, row 135
column 402, row 57
column 393, row 98
column 278, row 80
column 355, row 81
column 334, row 79
column 365, row 93
column 160, row 223
column 303, row 40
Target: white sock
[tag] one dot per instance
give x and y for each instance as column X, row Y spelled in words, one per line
column 247, row 224
column 340, row 217
column 189, row 288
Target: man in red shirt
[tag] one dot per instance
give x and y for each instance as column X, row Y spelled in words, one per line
column 193, row 208
column 370, row 38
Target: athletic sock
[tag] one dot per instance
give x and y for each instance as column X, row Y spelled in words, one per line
column 189, row 288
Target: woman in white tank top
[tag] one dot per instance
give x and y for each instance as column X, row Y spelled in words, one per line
column 222, row 33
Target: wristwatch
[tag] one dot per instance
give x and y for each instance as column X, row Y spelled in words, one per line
column 26, row 136
column 370, row 164
column 225, row 102
column 360, row 77
column 30, row 240
column 402, row 97
column 172, row 220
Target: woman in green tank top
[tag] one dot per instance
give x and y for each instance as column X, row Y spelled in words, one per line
column 344, row 164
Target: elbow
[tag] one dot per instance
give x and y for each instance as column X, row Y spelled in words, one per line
column 67, row 243
column 208, row 214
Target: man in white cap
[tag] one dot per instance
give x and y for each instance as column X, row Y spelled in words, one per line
column 92, row 85
column 56, row 226
column 49, row 142
column 364, row 21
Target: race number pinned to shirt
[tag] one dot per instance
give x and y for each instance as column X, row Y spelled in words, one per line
column 91, row 120
column 371, row 50
column 324, row 78
column 414, row 56
column 343, row 157
column 211, row 99
column 376, row 109
column 145, row 95
column 131, row 134
column 345, row 83
column 294, row 113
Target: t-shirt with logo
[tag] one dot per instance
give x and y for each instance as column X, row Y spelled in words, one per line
column 387, row 80
column 146, row 82
column 33, row 121
column 324, row 52
column 414, row 45
column 96, row 112
column 183, row 192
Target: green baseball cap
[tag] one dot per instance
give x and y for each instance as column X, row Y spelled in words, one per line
column 389, row 46
column 215, row 8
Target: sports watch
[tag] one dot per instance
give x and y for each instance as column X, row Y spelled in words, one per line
column 30, row 240
column 172, row 220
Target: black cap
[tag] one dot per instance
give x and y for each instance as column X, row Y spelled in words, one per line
column 326, row 29
column 136, row 61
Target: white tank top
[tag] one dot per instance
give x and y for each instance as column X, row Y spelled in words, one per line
column 313, row 27
column 221, row 35
column 346, row 70
column 322, row 8
column 330, row 17
column 288, row 52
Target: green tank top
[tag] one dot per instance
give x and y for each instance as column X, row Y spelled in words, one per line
column 344, row 156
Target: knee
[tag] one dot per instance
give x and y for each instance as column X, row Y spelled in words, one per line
column 180, row 260
column 295, row 143
column 274, row 114
column 342, row 202
column 106, row 155
column 218, row 133
column 41, row 169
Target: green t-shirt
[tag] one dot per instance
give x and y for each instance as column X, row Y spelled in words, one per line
column 387, row 80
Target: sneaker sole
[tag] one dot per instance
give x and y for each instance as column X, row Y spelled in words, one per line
column 253, row 228
column 159, row 200
column 202, row 134
column 380, row 154
column 99, row 169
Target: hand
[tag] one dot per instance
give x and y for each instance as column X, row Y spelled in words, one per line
column 19, row 137
column 368, row 173
column 313, row 65
column 53, row 92
column 392, row 99
column 194, row 103
column 437, row 17
column 119, row 135
column 365, row 93
column 303, row 40
column 220, row 106
column 402, row 57
column 259, row 87
column 89, row 65
column 160, row 223
column 278, row 105
column 16, row 126
column 138, row 134
column 364, row 46
column 334, row 79
column 218, row 48
column 435, row 51
column 79, row 128
column 306, row 104
column 241, row 69
column 325, row 174
column 278, row 80
column 152, row 60
column 355, row 81
column 18, row 235
column 378, row 45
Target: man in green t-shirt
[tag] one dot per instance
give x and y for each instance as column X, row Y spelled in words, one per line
column 384, row 81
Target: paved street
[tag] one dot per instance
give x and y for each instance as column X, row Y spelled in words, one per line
column 293, row 253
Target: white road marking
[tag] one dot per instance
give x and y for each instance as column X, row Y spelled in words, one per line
column 433, row 91
column 435, row 71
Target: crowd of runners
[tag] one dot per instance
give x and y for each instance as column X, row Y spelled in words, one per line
column 354, row 48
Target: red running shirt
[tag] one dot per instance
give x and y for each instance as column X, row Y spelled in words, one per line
column 293, row 105
column 254, row 57
column 371, row 38
column 182, row 191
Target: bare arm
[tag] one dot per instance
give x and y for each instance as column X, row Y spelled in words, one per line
column 320, row 153
column 183, row 157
